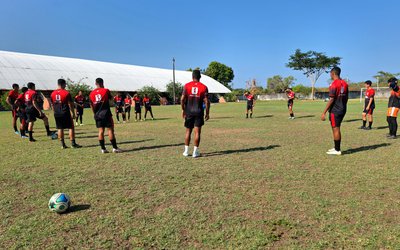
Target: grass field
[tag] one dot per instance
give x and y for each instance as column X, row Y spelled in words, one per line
column 264, row 182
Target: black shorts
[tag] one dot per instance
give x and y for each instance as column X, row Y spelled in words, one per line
column 369, row 112
column 32, row 115
column 192, row 121
column 336, row 119
column 249, row 106
column 119, row 109
column 290, row 103
column 107, row 122
column 64, row 122
column 138, row 109
column 147, row 108
column 79, row 110
column 128, row 109
column 22, row 116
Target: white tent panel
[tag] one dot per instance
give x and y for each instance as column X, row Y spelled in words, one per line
column 45, row 70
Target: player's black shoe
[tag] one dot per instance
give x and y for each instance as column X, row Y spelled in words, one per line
column 367, row 128
column 76, row 146
column 392, row 137
column 362, row 127
column 32, row 140
column 64, row 146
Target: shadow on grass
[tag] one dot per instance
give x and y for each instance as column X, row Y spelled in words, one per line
column 352, row 120
column 263, row 116
column 153, row 147
column 225, row 117
column 304, row 116
column 365, row 148
column 87, row 136
column 77, row 208
column 236, row 151
column 119, row 143
column 382, row 127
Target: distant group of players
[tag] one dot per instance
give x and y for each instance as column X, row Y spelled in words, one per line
column 195, row 110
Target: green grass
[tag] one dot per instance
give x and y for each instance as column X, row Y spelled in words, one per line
column 262, row 183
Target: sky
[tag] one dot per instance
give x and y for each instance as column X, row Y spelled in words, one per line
column 255, row 38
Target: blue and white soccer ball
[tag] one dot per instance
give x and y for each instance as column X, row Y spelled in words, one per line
column 59, row 203
column 54, row 136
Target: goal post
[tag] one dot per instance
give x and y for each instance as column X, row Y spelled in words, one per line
column 381, row 92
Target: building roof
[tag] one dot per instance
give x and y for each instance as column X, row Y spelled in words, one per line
column 44, row 71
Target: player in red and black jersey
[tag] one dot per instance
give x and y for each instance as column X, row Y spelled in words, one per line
column 250, row 104
column 33, row 111
column 20, row 106
column 64, row 113
column 128, row 106
column 11, row 97
column 393, row 107
column 119, row 106
column 100, row 104
column 290, row 95
column 147, row 106
column 138, row 108
column 369, row 105
column 194, row 95
column 80, row 106
column 337, row 107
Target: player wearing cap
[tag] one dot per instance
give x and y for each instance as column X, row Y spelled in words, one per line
column 393, row 107
column 64, row 113
column 193, row 96
column 147, row 107
column 20, row 106
column 337, row 107
column 369, row 106
column 80, row 105
column 33, row 111
column 11, row 97
column 250, row 104
column 290, row 95
column 119, row 106
column 100, row 104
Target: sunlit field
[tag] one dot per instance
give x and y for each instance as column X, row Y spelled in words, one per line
column 264, row 182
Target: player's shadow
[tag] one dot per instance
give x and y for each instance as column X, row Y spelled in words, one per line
column 120, row 143
column 237, row 151
column 87, row 136
column 153, row 147
column 352, row 120
column 365, row 148
column 77, row 208
column 160, row 119
column 382, row 127
column 224, row 117
column 304, row 116
column 263, row 116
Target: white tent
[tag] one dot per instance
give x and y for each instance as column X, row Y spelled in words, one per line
column 44, row 71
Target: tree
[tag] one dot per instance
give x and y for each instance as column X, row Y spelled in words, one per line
column 220, row 72
column 75, row 87
column 278, row 84
column 178, row 90
column 383, row 77
column 313, row 64
column 304, row 90
column 153, row 94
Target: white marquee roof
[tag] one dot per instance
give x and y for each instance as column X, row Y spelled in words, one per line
column 44, row 71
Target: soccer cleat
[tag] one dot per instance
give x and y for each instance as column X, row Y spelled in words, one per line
column 76, row 123
column 32, row 140
column 186, row 154
column 362, row 127
column 135, row 120
column 293, row 118
column 117, row 150
column 367, row 128
column 24, row 136
column 51, row 133
column 64, row 146
column 152, row 118
column 76, row 146
column 388, row 135
column 332, row 149
column 104, row 151
column 119, row 122
column 124, row 122
column 196, row 154
column 16, row 132
column 81, row 124
column 334, row 152
column 144, row 119
column 392, row 137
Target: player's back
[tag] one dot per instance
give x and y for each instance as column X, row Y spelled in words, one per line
column 100, row 98
column 339, row 90
column 29, row 97
column 60, row 99
column 195, row 93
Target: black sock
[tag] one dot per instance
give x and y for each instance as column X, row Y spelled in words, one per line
column 394, row 126
column 291, row 115
column 247, row 115
column 114, row 143
column 102, row 144
column 30, row 135
column 117, row 117
column 76, row 120
column 47, row 129
column 364, row 123
column 370, row 124
column 62, row 142
column 22, row 132
column 251, row 115
column 15, row 128
column 80, row 118
column 73, row 142
column 337, row 145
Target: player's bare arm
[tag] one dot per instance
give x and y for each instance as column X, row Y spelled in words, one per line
column 183, row 102
column 72, row 108
column 328, row 105
column 207, row 116
column 34, row 103
column 369, row 104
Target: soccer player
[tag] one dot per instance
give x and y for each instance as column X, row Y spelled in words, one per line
column 369, row 106
column 33, row 111
column 11, row 97
column 100, row 104
column 20, row 105
column 290, row 95
column 64, row 113
column 138, row 108
column 337, row 107
column 119, row 106
column 147, row 107
column 193, row 96
column 393, row 107
column 128, row 106
column 80, row 105
column 250, row 104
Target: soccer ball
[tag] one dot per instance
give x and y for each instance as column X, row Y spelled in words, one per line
column 54, row 136
column 59, row 203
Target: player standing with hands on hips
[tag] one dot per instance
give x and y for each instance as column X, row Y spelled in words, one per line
column 193, row 96
column 337, row 107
